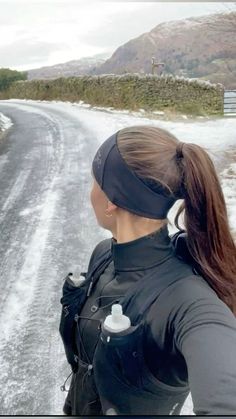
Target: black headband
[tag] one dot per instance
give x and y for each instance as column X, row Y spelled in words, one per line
column 123, row 187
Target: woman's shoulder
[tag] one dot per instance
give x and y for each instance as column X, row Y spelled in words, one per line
column 193, row 297
column 188, row 305
column 102, row 246
column 191, row 288
column 100, row 249
column 186, row 300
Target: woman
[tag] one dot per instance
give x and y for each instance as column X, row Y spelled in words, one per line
column 179, row 292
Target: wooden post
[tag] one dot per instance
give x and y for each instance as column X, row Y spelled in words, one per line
column 157, row 65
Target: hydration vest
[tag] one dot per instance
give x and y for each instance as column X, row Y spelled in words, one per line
column 73, row 299
column 124, row 382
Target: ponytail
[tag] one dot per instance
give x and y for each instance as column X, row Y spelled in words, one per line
column 187, row 172
column 208, row 234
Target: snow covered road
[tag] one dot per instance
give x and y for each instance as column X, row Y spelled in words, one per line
column 44, row 233
column 48, row 229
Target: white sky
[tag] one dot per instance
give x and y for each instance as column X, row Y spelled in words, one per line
column 35, row 33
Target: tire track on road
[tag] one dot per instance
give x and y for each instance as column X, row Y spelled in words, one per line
column 23, row 309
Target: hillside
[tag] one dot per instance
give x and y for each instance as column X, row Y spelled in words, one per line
column 200, row 47
column 68, row 69
column 203, row 47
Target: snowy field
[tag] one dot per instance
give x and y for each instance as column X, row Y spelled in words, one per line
column 48, row 229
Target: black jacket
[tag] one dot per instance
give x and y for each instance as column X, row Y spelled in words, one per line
column 188, row 339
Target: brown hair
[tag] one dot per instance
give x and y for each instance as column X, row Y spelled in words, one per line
column 187, row 172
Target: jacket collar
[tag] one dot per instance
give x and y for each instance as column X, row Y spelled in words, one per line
column 142, row 253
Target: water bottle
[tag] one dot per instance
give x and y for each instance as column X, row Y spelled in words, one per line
column 76, row 280
column 116, row 321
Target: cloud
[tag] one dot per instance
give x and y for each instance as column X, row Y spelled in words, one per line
column 29, row 52
column 40, row 33
column 34, row 33
column 122, row 26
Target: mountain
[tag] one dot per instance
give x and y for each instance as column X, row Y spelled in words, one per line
column 202, row 47
column 68, row 69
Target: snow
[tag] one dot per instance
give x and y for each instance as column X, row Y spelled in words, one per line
column 159, row 113
column 229, row 187
column 18, row 302
column 215, row 135
column 5, row 122
column 16, row 190
column 95, row 124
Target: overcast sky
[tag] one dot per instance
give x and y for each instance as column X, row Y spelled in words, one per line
column 36, row 33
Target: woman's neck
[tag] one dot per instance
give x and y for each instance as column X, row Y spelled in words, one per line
column 130, row 228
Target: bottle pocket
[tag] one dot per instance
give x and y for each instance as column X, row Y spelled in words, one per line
column 72, row 301
column 124, row 381
column 124, row 351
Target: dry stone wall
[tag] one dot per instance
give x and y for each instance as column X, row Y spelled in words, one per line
column 127, row 91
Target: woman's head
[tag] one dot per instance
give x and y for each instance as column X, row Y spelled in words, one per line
column 173, row 170
column 120, row 195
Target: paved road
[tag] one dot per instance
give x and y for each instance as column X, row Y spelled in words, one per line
column 44, row 194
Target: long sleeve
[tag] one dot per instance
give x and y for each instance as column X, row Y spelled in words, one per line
column 205, row 334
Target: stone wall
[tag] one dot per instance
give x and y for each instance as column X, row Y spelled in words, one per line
column 127, row 91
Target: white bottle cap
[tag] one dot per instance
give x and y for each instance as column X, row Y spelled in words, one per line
column 111, row 411
column 116, row 321
column 77, row 280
